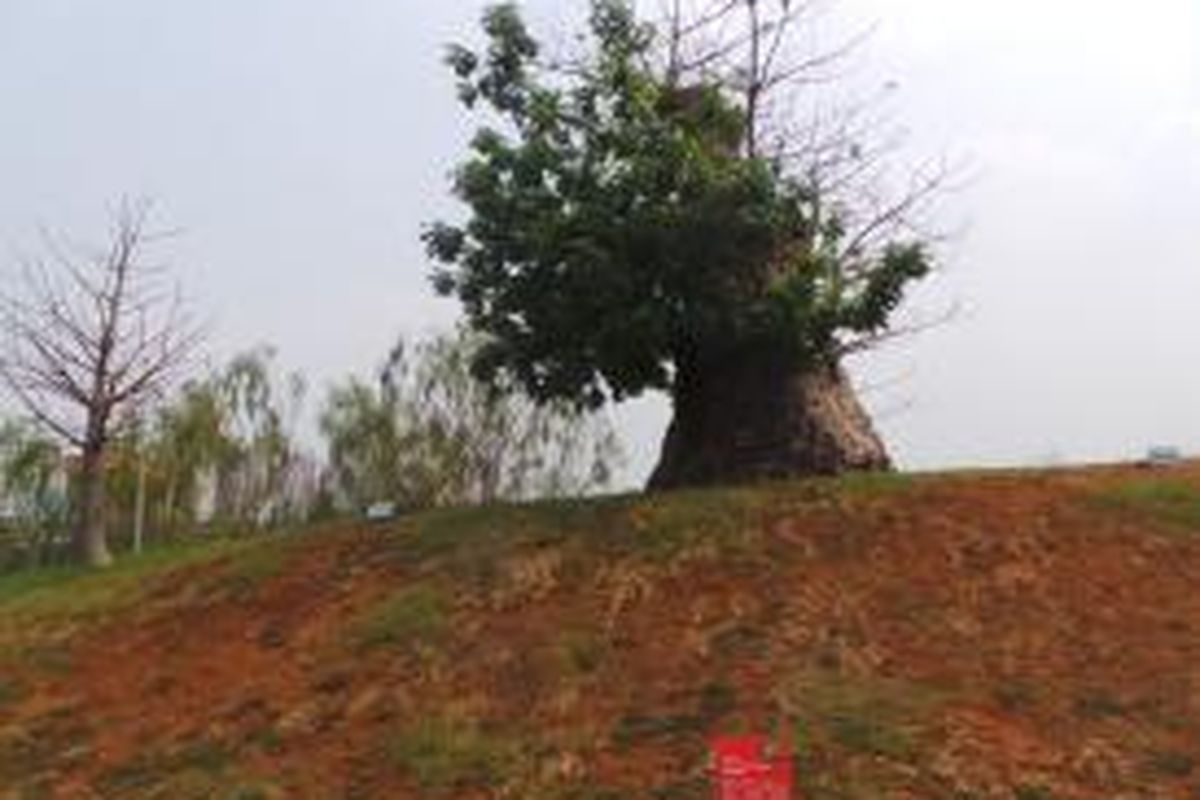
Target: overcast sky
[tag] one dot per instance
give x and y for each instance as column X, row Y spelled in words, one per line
column 300, row 145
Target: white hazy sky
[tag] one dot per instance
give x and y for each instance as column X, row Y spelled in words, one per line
column 302, row 144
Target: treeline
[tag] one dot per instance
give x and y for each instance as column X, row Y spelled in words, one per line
column 228, row 453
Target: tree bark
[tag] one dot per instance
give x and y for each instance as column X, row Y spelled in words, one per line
column 757, row 418
column 139, row 506
column 91, row 545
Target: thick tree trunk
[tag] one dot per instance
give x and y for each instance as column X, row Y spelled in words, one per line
column 751, row 419
column 91, row 545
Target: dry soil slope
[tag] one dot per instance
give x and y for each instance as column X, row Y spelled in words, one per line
column 991, row 635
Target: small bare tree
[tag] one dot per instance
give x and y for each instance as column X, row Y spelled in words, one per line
column 87, row 337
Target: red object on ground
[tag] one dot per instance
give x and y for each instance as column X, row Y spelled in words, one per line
column 742, row 772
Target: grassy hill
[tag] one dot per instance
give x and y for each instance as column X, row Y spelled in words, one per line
column 1027, row 636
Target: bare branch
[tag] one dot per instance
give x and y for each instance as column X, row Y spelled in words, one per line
column 90, row 332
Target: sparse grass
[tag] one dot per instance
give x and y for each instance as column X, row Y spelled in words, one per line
column 255, row 791
column 69, row 591
column 864, row 715
column 739, row 640
column 716, row 699
column 1171, row 764
column 443, row 755
column 468, row 544
column 49, row 658
column 635, row 729
column 198, row 769
column 695, row 788
column 1032, row 791
column 654, row 527
column 1015, row 696
column 11, row 692
column 254, row 567
column 581, row 652
column 1098, row 704
column 712, row 702
column 205, row 755
column 871, row 734
column 268, row 739
column 29, row 749
column 877, row 483
column 136, row 775
column 1173, row 501
column 659, row 527
column 414, row 616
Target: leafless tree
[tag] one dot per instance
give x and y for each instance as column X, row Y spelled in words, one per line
column 87, row 337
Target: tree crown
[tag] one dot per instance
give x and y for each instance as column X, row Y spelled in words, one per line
column 620, row 233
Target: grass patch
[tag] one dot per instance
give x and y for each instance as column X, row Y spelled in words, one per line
column 716, row 700
column 696, row 788
column 255, row 791
column 29, row 750
column 1015, row 696
column 48, row 658
column 69, row 591
column 253, row 567
column 858, row 714
column 468, row 543
column 11, row 692
column 739, row 641
column 636, row 729
column 196, row 770
column 267, row 739
column 712, row 702
column 417, row 615
column 877, row 483
column 443, row 755
column 1031, row 791
column 656, row 527
column 581, row 652
column 1171, row 764
column 661, row 527
column 1174, row 502
column 1098, row 704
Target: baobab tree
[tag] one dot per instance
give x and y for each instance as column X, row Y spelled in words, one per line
column 665, row 211
column 88, row 336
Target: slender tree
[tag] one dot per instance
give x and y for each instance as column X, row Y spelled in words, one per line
column 646, row 216
column 256, row 411
column 87, row 337
column 431, row 434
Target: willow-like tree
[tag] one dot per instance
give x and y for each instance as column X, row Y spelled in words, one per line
column 644, row 217
column 428, row 434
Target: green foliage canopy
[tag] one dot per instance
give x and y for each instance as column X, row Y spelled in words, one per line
column 618, row 233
